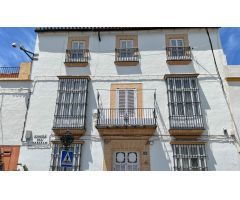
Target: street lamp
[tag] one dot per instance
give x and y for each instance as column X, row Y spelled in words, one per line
column 67, row 139
column 28, row 53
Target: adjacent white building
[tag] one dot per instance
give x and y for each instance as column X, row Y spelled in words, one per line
column 132, row 98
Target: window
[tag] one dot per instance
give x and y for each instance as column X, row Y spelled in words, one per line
column 71, row 103
column 126, row 47
column 126, row 52
column 78, row 50
column 184, row 102
column 126, row 161
column 56, row 158
column 177, row 46
column 189, row 157
column 126, row 102
column 77, row 53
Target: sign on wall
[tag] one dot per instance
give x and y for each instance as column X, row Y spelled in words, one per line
column 66, row 158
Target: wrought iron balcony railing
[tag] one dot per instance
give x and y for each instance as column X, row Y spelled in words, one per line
column 9, row 72
column 122, row 117
column 178, row 53
column 77, row 56
column 186, row 122
column 129, row 54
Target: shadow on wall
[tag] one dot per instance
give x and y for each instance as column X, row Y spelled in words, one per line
column 176, row 69
column 78, row 71
column 128, row 70
column 205, row 106
column 211, row 162
column 160, row 158
column 87, row 154
column 52, row 44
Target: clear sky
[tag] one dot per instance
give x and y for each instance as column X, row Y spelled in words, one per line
column 230, row 38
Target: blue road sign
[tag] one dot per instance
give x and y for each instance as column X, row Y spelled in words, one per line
column 66, row 158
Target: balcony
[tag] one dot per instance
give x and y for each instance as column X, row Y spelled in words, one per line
column 116, row 119
column 127, row 57
column 186, row 125
column 9, row 72
column 77, row 57
column 21, row 73
column 74, row 124
column 178, row 55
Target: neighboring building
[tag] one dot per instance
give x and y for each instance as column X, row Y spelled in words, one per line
column 132, row 98
column 15, row 90
column 232, row 85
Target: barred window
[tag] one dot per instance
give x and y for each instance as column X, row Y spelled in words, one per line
column 190, row 157
column 71, row 103
column 184, row 102
column 56, row 158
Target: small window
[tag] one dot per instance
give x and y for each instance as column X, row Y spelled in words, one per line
column 190, row 157
column 126, row 47
column 177, row 47
column 78, row 44
column 126, row 161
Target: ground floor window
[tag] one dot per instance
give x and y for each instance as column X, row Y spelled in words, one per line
column 189, row 157
column 56, row 158
column 126, row 161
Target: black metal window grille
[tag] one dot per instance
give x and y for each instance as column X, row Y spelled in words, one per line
column 184, row 103
column 71, row 103
column 56, row 158
column 189, row 157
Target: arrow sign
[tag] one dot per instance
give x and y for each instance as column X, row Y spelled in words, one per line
column 66, row 158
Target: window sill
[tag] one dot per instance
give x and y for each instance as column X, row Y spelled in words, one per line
column 179, row 62
column 76, row 64
column 126, row 63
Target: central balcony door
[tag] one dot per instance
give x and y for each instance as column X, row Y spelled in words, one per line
column 126, row 161
column 126, row 106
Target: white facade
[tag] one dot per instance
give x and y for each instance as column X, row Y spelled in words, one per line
column 221, row 150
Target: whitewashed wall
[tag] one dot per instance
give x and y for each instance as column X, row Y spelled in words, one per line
column 13, row 105
column 150, row 72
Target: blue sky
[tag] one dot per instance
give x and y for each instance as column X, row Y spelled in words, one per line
column 12, row 57
column 230, row 38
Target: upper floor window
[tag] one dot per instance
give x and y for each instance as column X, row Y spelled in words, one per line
column 177, row 49
column 77, row 53
column 126, row 50
column 184, row 103
column 189, row 157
